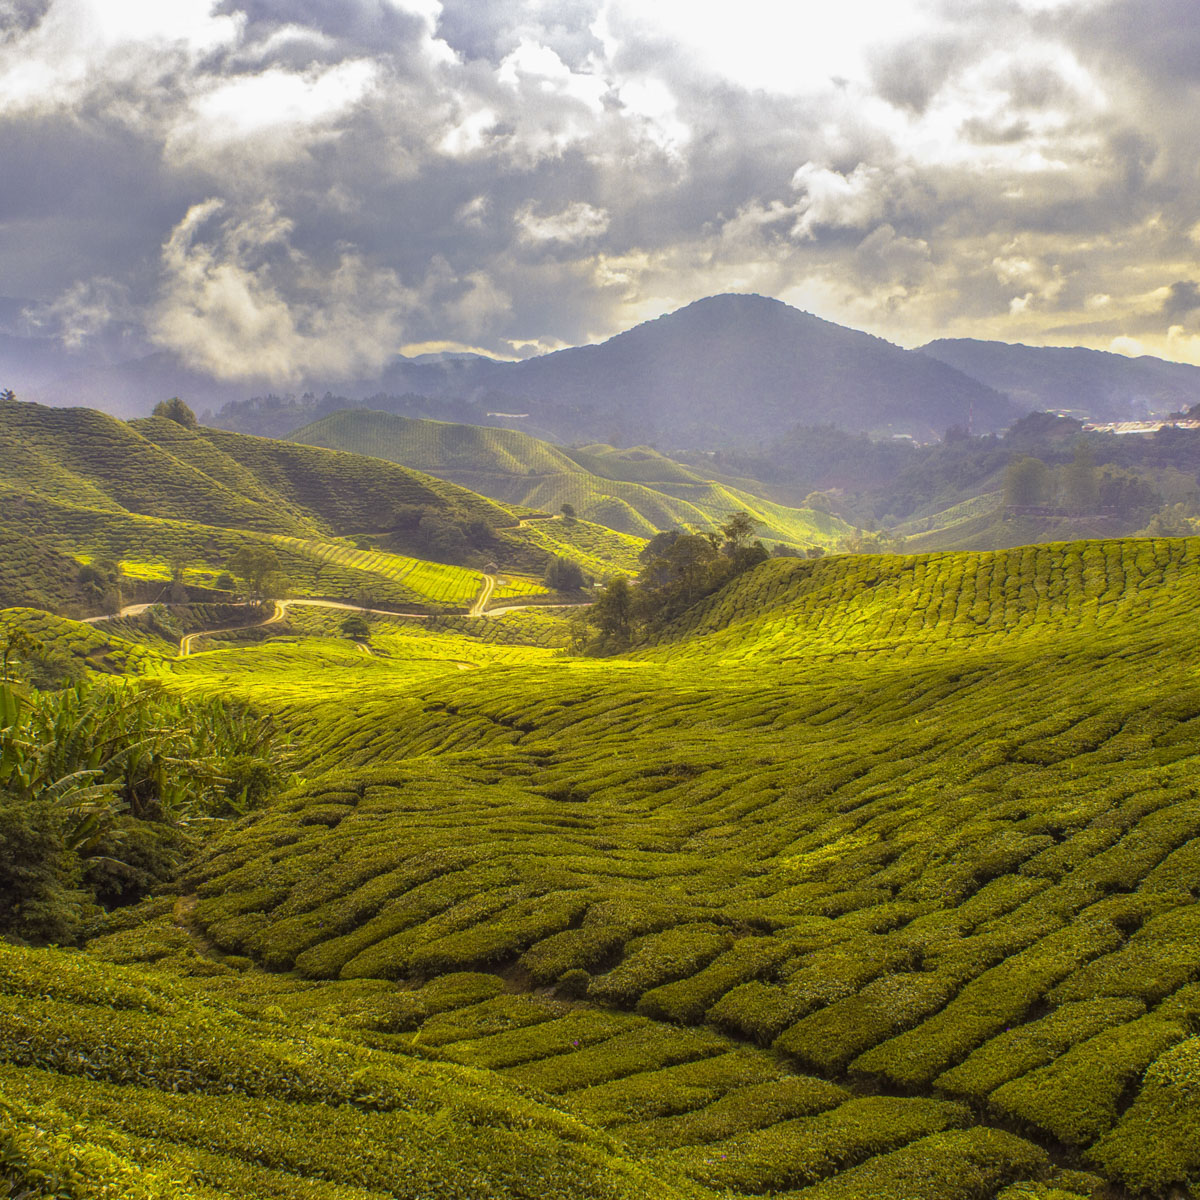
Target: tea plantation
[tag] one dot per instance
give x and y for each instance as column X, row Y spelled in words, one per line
column 161, row 500
column 635, row 491
column 872, row 877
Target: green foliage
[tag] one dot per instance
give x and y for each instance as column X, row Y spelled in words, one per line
column 355, row 626
column 563, row 575
column 96, row 785
column 176, row 410
column 1027, row 482
column 117, row 1078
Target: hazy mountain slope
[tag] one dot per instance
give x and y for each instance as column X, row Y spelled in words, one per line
column 636, row 491
column 1102, row 386
column 735, row 369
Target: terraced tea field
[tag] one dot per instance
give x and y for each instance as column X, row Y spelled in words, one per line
column 875, row 877
column 633, row 492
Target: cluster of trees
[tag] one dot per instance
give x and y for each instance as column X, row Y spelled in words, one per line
column 1078, row 487
column 563, row 575
column 437, row 534
column 678, row 570
column 103, row 792
column 258, row 571
column 176, row 410
column 100, row 584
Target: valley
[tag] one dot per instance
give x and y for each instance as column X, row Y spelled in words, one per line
column 866, row 875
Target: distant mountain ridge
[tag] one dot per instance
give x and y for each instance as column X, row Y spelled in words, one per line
column 1096, row 384
column 735, row 369
column 726, row 372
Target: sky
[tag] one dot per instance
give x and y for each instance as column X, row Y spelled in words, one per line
column 299, row 188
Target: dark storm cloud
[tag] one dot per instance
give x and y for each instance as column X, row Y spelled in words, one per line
column 545, row 172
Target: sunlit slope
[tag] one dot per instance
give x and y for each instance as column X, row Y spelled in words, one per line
column 122, row 1083
column 926, row 827
column 337, row 492
column 903, row 606
column 147, row 545
column 635, row 491
column 82, row 457
column 157, row 468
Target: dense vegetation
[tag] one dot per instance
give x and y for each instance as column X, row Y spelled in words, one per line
column 953, row 493
column 865, row 876
column 96, row 513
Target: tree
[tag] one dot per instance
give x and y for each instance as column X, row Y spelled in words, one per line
column 737, row 530
column 259, row 570
column 563, row 575
column 176, row 410
column 1171, row 521
column 8, row 396
column 18, row 643
column 356, row 628
column 1080, row 483
column 225, row 582
column 568, row 511
column 177, row 565
column 1026, row 482
column 818, row 502
column 612, row 614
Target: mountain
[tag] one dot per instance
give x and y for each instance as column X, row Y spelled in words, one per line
column 729, row 370
column 1092, row 384
column 735, row 369
column 636, row 491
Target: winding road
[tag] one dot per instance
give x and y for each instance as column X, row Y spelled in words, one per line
column 478, row 608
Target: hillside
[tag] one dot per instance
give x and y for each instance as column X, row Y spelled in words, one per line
column 80, row 487
column 875, row 877
column 636, row 491
column 1093, row 384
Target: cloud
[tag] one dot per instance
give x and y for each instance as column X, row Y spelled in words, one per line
column 544, row 172
column 83, row 312
column 239, row 301
column 578, row 222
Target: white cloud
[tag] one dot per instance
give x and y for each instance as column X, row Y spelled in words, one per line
column 834, row 200
column 81, row 312
column 272, row 115
column 84, row 45
column 578, row 222
column 240, row 302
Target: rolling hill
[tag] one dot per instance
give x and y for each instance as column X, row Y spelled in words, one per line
column 78, row 486
column 873, row 877
column 636, row 491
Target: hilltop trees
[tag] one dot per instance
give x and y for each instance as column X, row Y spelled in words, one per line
column 176, row 410
column 679, row 570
